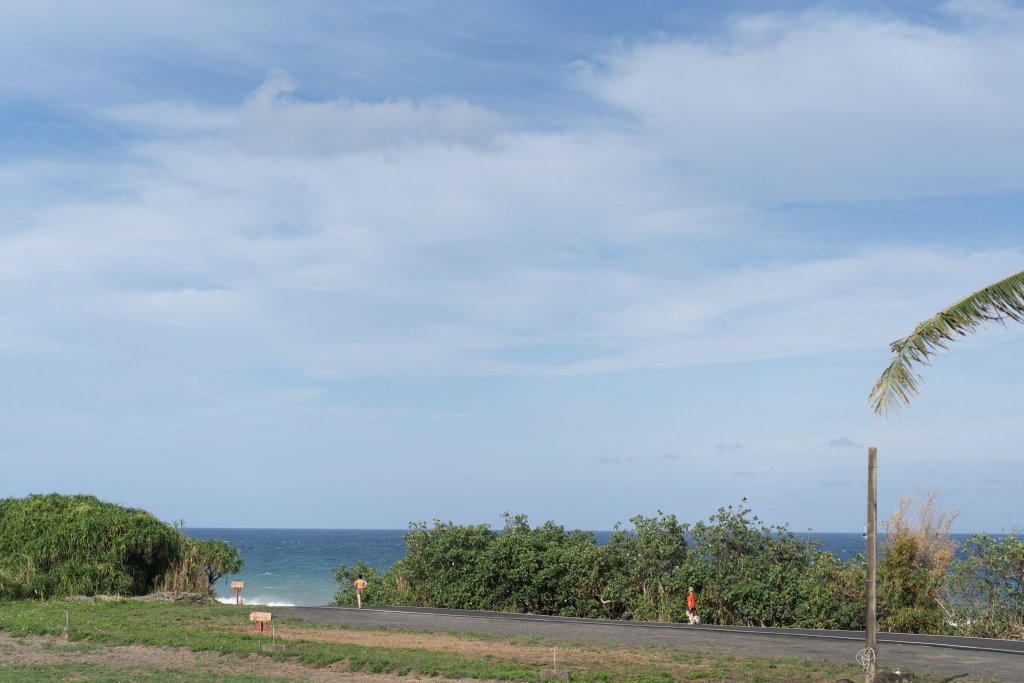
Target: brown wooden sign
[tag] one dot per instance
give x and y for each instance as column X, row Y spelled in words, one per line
column 260, row 621
column 238, row 584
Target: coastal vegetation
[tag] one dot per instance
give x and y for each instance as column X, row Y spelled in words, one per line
column 56, row 545
column 914, row 569
column 745, row 572
column 988, row 588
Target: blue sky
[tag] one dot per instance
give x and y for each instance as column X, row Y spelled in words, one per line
column 323, row 264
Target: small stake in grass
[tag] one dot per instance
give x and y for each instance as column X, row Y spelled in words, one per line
column 273, row 644
column 67, row 625
column 553, row 673
column 262, row 624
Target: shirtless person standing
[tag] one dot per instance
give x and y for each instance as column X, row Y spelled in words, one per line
column 360, row 584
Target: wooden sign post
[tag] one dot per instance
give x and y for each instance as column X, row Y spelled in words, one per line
column 237, row 586
column 260, row 620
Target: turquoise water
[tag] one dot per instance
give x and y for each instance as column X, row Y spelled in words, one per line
column 294, row 566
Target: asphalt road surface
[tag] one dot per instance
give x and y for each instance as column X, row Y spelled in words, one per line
column 956, row 657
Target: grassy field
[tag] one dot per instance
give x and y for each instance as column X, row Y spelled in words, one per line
column 123, row 640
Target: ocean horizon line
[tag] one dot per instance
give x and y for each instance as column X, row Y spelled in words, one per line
column 596, row 531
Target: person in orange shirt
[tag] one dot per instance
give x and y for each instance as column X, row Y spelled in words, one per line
column 691, row 607
column 360, row 584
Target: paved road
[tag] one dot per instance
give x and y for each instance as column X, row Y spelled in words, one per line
column 1002, row 660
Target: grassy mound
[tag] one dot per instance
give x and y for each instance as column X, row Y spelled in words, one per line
column 56, row 545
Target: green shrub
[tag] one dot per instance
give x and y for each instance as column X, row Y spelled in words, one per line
column 750, row 573
column 542, row 570
column 987, row 588
column 56, row 545
column 834, row 594
column 639, row 567
column 375, row 592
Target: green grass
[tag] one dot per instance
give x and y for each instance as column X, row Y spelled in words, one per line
column 109, row 674
column 224, row 629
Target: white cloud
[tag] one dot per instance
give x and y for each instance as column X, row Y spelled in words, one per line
column 858, row 302
column 269, row 121
column 563, row 252
column 831, row 105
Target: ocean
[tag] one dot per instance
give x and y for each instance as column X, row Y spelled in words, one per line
column 294, row 566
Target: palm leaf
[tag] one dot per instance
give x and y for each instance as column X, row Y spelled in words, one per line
column 999, row 302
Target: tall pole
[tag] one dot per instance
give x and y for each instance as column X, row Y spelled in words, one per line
column 871, row 626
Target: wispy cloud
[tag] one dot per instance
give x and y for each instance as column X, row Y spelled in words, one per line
column 270, row 121
column 433, row 257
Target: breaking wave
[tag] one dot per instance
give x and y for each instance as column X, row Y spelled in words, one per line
column 260, row 601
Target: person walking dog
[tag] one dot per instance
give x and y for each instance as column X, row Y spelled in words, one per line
column 691, row 607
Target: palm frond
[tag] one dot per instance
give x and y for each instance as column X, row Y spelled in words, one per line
column 999, row 302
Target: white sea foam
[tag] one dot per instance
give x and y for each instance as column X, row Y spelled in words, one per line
column 262, row 602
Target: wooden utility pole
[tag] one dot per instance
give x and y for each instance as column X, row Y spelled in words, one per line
column 871, row 626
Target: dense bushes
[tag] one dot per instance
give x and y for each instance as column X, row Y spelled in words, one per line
column 55, row 545
column 744, row 572
column 986, row 598
column 637, row 571
column 522, row 569
column 755, row 574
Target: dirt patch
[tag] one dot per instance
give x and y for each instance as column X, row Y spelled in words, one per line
column 429, row 641
column 505, row 651
column 50, row 650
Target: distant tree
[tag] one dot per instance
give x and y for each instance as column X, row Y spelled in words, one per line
column 998, row 302
column 217, row 559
